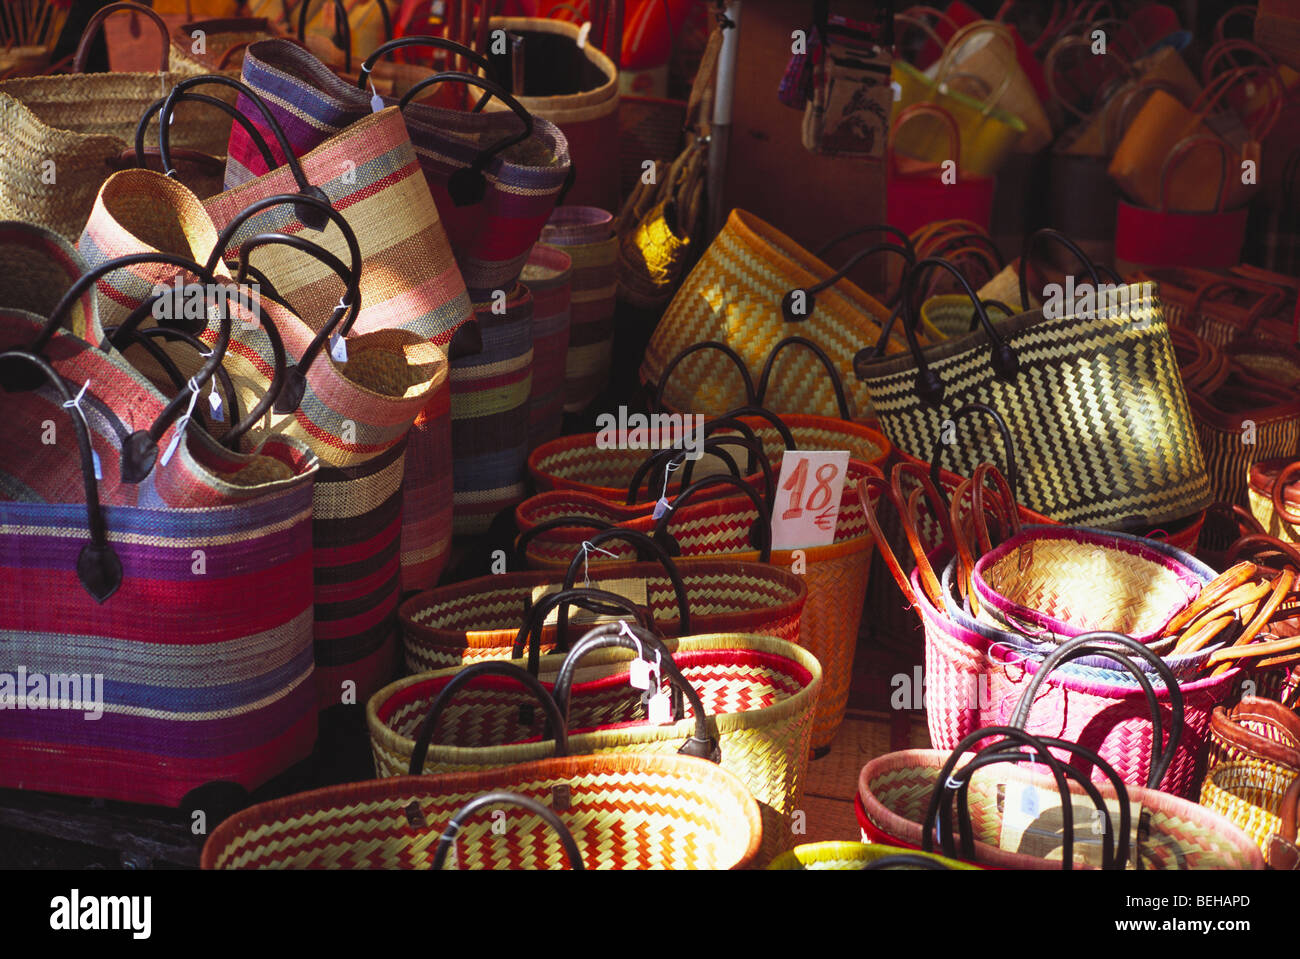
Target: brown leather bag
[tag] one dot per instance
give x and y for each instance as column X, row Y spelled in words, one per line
column 1255, row 729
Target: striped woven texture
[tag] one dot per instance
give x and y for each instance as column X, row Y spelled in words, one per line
column 82, row 121
column 198, row 684
column 624, row 812
column 949, row 315
column 1057, row 582
column 1267, row 415
column 478, row 619
column 490, row 395
column 576, row 463
column 354, row 416
column 409, row 280
column 894, row 790
column 841, row 856
column 491, row 238
column 733, row 295
column 836, row 574
column 584, row 233
column 759, row 692
column 1097, row 411
column 548, row 274
column 1112, row 720
column 1249, row 796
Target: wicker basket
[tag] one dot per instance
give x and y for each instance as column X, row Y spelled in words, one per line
column 1253, row 798
column 613, row 807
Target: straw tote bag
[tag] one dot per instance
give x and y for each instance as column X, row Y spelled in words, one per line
column 574, row 85
column 409, row 280
column 354, row 414
column 83, row 124
column 1095, row 403
column 753, row 287
column 610, row 809
column 918, row 194
column 144, row 585
column 548, row 274
column 495, row 176
column 744, row 701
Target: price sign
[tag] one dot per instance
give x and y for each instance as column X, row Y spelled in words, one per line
column 807, row 505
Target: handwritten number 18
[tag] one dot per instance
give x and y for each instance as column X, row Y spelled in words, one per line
column 820, row 496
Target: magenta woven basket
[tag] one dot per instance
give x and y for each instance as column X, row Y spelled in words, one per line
column 548, row 275
column 1111, row 720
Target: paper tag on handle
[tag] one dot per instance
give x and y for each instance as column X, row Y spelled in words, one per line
column 807, row 507
column 661, row 507
column 98, row 466
column 638, row 674
column 583, row 32
column 338, row 348
column 218, row 408
column 660, row 709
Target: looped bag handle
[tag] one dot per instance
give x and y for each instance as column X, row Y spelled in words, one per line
column 502, row 798
column 1105, row 644
column 751, row 395
column 760, row 534
column 661, row 460
column 645, row 546
column 1288, row 475
column 704, row 742
column 1180, row 152
column 591, row 599
column 874, row 481
column 556, row 727
column 841, row 400
column 95, row 26
column 960, row 39
column 99, row 568
column 560, row 522
column 342, row 26
column 141, row 153
column 925, row 109
column 797, row 305
column 437, row 43
column 468, row 185
column 310, row 215
column 1049, row 233
column 1054, row 54
column 969, row 411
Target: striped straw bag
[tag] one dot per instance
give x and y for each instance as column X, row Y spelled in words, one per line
column 1256, row 731
column 1244, row 421
column 1064, row 384
column 1274, row 496
column 610, row 805
column 585, row 233
column 748, row 705
column 752, row 288
column 490, row 396
column 140, row 589
column 1262, row 801
column 59, row 149
column 728, row 527
column 900, row 794
column 548, row 274
column 480, row 619
column 356, row 409
column 521, row 161
column 409, row 280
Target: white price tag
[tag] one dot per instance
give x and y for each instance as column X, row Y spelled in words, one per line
column 807, row 507
column 661, row 709
column 215, row 404
column 638, row 674
column 339, row 348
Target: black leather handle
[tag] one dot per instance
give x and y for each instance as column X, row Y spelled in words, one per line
column 99, row 568
column 290, row 397
column 1048, row 233
column 841, row 400
column 886, row 228
column 809, row 294
column 760, row 534
column 1094, row 643
column 145, row 340
column 758, row 412
column 140, row 449
column 253, row 132
column 438, row 43
column 651, row 469
column 591, row 599
column 560, row 522
column 468, row 185
column 310, row 215
column 702, row 744
column 342, row 27
column 714, row 446
column 645, row 545
column 929, row 387
column 1008, row 448
column 499, row 798
column 466, row 676
column 751, row 396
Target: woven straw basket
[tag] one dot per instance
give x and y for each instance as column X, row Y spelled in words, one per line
column 1252, row 797
column 720, row 528
column 758, row 693
column 616, row 811
column 548, row 274
column 817, row 856
column 479, row 619
column 894, row 790
column 1274, row 494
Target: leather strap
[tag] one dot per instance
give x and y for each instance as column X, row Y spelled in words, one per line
column 1230, row 725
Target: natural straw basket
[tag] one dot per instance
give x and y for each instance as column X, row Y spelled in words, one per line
column 548, row 274
column 1253, row 798
column 817, row 856
column 615, row 810
column 479, row 619
column 1274, row 494
column 758, row 695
